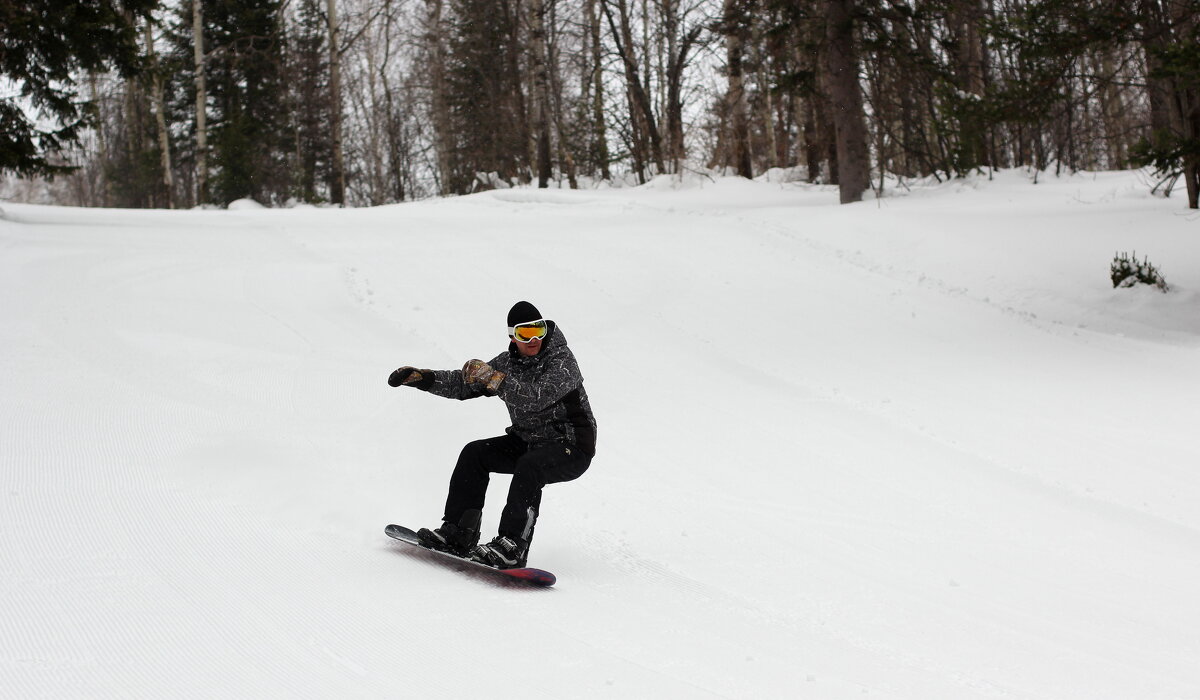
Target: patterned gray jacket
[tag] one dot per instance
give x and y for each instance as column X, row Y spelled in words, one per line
column 544, row 393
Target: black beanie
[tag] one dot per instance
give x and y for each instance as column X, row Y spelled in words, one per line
column 523, row 312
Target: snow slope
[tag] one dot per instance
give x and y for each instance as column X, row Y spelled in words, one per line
column 915, row 447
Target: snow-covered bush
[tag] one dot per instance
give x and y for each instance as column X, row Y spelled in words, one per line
column 1128, row 271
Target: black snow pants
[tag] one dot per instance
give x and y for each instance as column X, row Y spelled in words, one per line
column 531, row 470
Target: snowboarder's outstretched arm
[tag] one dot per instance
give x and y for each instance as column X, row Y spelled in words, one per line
column 448, row 384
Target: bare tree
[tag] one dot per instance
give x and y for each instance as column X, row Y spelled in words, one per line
column 681, row 42
column 639, row 96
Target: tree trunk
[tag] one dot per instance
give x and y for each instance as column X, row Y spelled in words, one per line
column 1187, row 104
column 966, row 16
column 812, row 144
column 435, row 44
column 846, row 97
column 597, row 81
column 735, row 95
column 1174, row 103
column 337, row 187
column 132, row 146
column 1112, row 109
column 820, row 145
column 1157, row 89
column 375, row 123
column 101, row 143
column 541, row 90
column 518, row 110
column 667, row 47
column 677, row 61
column 201, row 102
column 564, row 147
column 160, row 117
column 397, row 153
column 638, row 145
column 770, row 128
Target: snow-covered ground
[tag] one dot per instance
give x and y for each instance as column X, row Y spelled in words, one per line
column 916, row 447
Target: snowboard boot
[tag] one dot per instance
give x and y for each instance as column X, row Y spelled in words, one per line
column 502, row 553
column 454, row 538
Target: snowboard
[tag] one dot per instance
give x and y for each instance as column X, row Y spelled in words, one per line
column 536, row 577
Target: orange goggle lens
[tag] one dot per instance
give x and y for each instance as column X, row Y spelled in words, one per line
column 530, row 331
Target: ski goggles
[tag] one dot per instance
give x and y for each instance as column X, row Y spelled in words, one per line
column 525, row 332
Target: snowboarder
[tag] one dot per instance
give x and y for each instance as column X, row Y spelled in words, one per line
column 552, row 437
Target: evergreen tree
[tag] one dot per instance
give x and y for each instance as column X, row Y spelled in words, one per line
column 133, row 166
column 180, row 87
column 44, row 47
column 308, row 66
column 486, row 97
column 1172, row 41
column 245, row 69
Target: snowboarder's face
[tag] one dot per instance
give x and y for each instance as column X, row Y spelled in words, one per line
column 529, row 349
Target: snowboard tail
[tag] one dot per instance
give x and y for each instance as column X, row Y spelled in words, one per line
column 536, row 577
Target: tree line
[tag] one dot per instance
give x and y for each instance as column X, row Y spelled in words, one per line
column 179, row 103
